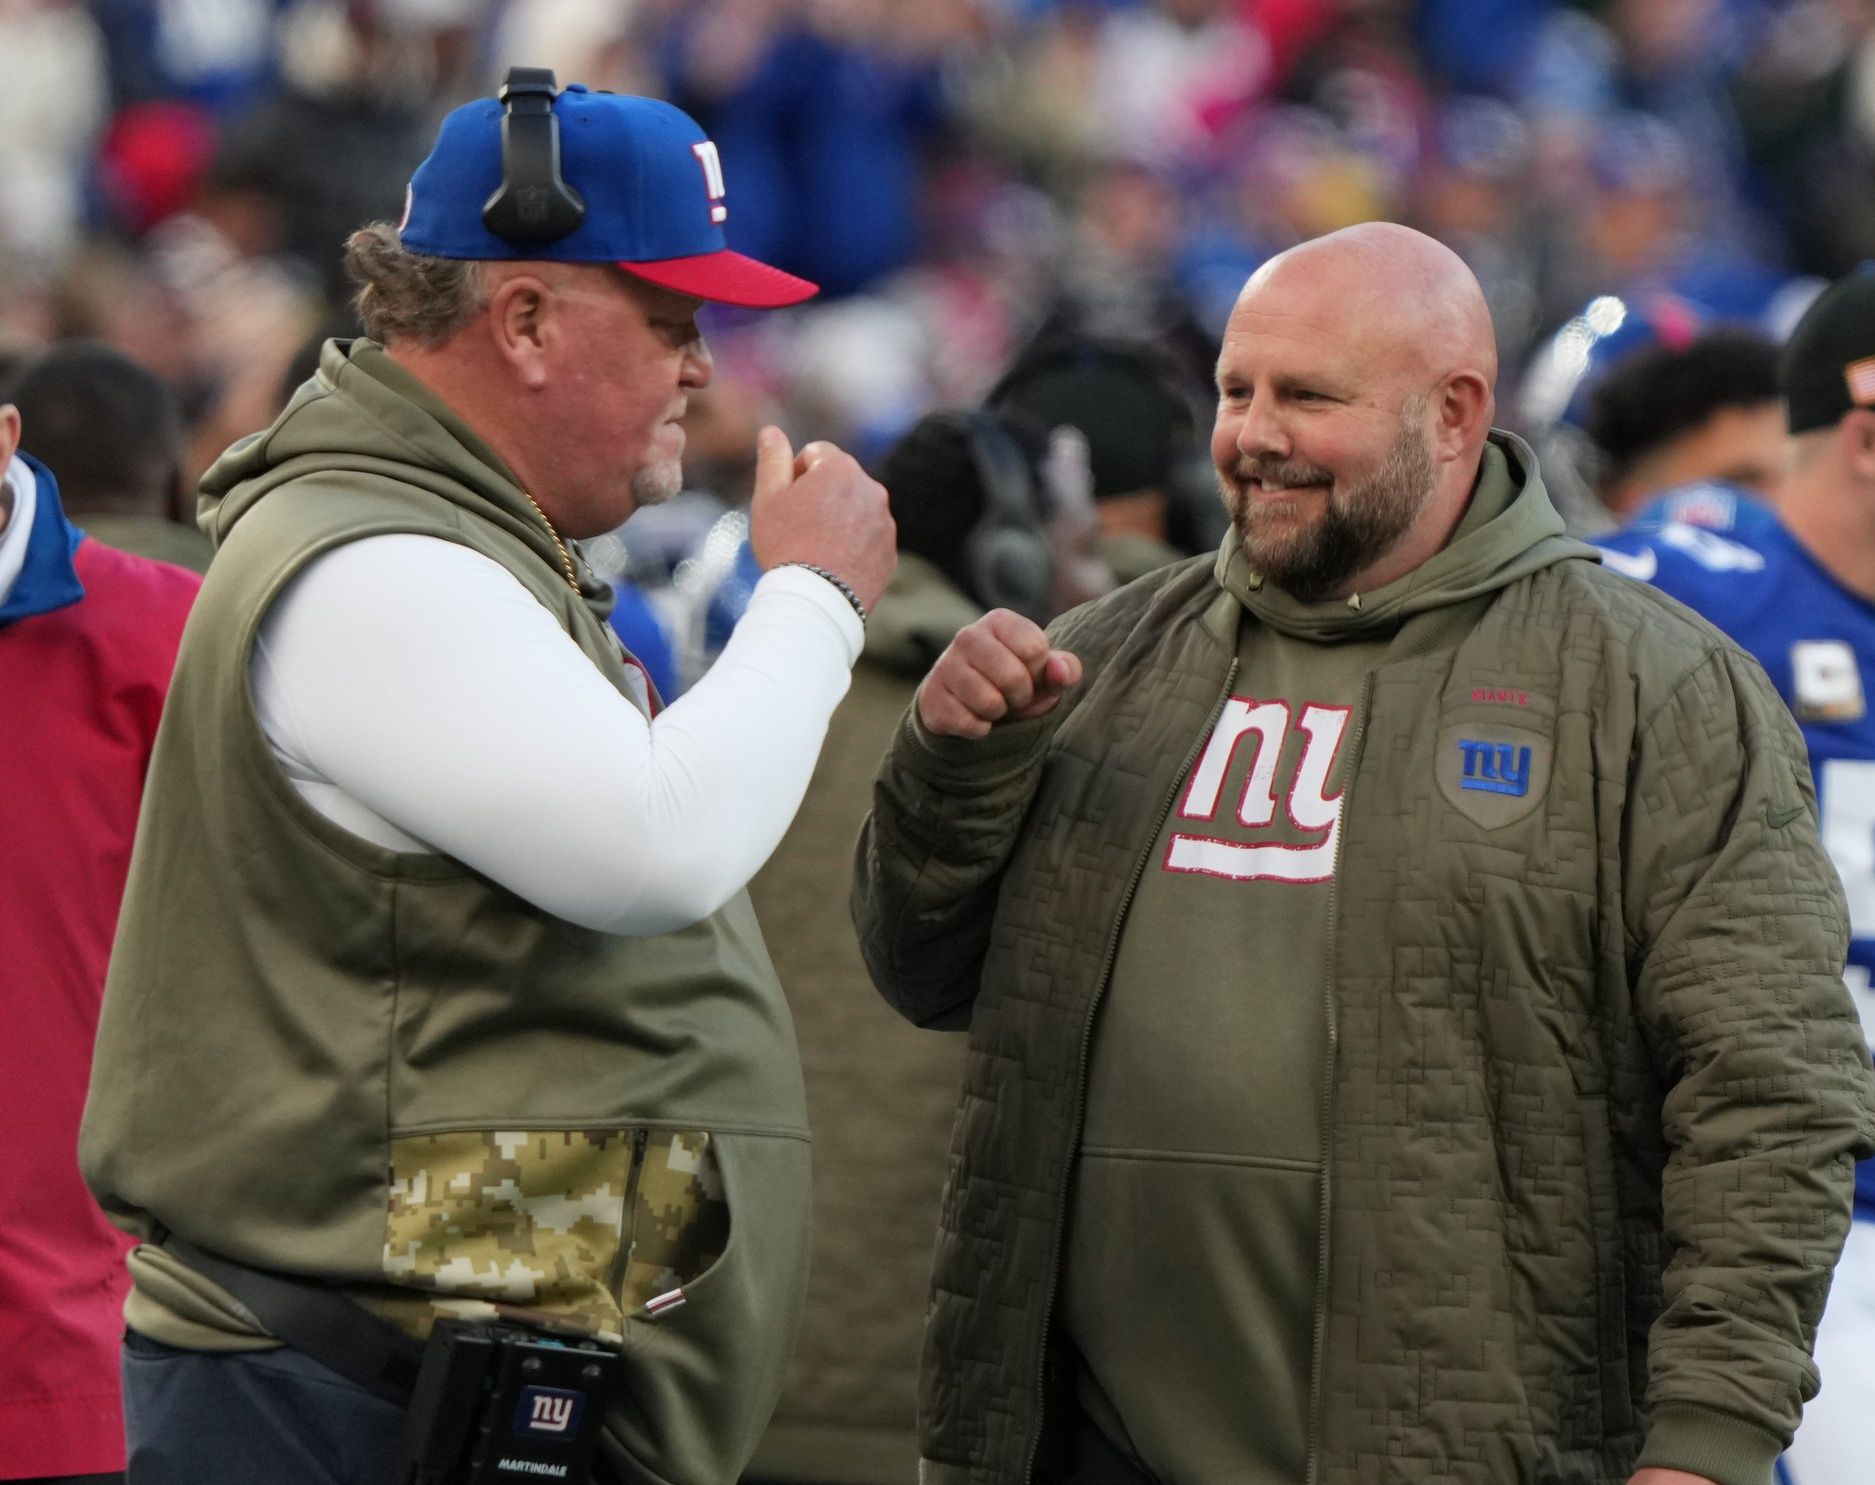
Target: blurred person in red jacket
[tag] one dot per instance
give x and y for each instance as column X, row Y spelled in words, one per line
column 88, row 635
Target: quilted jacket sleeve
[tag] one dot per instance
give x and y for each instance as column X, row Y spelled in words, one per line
column 1736, row 938
column 944, row 819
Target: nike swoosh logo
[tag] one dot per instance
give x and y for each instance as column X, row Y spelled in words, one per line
column 1641, row 565
column 1777, row 819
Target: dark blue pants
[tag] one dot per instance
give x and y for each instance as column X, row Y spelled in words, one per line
column 252, row 1418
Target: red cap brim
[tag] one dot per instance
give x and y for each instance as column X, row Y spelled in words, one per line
column 726, row 278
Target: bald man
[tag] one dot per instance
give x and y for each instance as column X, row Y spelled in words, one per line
column 1407, row 1040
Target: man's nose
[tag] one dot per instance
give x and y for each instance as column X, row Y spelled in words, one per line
column 699, row 365
column 1261, row 433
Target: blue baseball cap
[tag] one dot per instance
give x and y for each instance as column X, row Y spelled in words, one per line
column 649, row 178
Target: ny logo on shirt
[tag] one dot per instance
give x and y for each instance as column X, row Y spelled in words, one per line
column 1310, row 812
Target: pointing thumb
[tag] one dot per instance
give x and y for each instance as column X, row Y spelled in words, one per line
column 774, row 461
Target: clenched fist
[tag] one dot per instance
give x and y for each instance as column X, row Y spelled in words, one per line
column 821, row 508
column 999, row 669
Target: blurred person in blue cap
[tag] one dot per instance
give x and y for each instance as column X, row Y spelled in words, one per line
column 1793, row 582
column 437, row 994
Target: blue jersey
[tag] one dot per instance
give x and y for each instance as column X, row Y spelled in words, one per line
column 1726, row 556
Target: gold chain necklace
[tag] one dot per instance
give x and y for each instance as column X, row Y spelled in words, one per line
column 566, row 560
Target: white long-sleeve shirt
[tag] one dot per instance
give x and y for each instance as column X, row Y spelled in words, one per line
column 421, row 698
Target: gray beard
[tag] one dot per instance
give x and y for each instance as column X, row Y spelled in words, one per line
column 1359, row 525
column 656, row 484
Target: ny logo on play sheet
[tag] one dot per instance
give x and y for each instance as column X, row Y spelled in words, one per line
column 1309, row 810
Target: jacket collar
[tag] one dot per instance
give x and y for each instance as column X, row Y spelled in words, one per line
column 45, row 578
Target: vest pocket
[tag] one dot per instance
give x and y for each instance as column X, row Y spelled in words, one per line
column 539, row 1226
column 677, row 1221
column 563, row 1229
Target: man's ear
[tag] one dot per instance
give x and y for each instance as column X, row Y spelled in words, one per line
column 517, row 320
column 1855, row 440
column 1462, row 406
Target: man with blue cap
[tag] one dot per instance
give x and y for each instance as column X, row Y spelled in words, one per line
column 438, row 1013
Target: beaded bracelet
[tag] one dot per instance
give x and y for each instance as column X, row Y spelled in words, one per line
column 846, row 590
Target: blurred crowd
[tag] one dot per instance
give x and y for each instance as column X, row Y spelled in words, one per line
column 966, row 178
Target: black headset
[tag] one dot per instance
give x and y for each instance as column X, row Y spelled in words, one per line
column 533, row 204
column 1006, row 555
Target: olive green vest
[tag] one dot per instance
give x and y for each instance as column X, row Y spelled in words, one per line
column 323, row 1057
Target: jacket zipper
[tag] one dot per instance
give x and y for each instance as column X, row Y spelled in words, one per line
column 1087, row 1036
column 1318, row 1361
column 628, row 1218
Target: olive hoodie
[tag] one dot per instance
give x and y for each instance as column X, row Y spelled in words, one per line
column 1190, row 1270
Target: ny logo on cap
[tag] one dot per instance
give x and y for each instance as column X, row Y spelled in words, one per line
column 712, row 164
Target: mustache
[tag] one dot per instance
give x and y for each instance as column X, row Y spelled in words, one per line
column 1289, row 476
